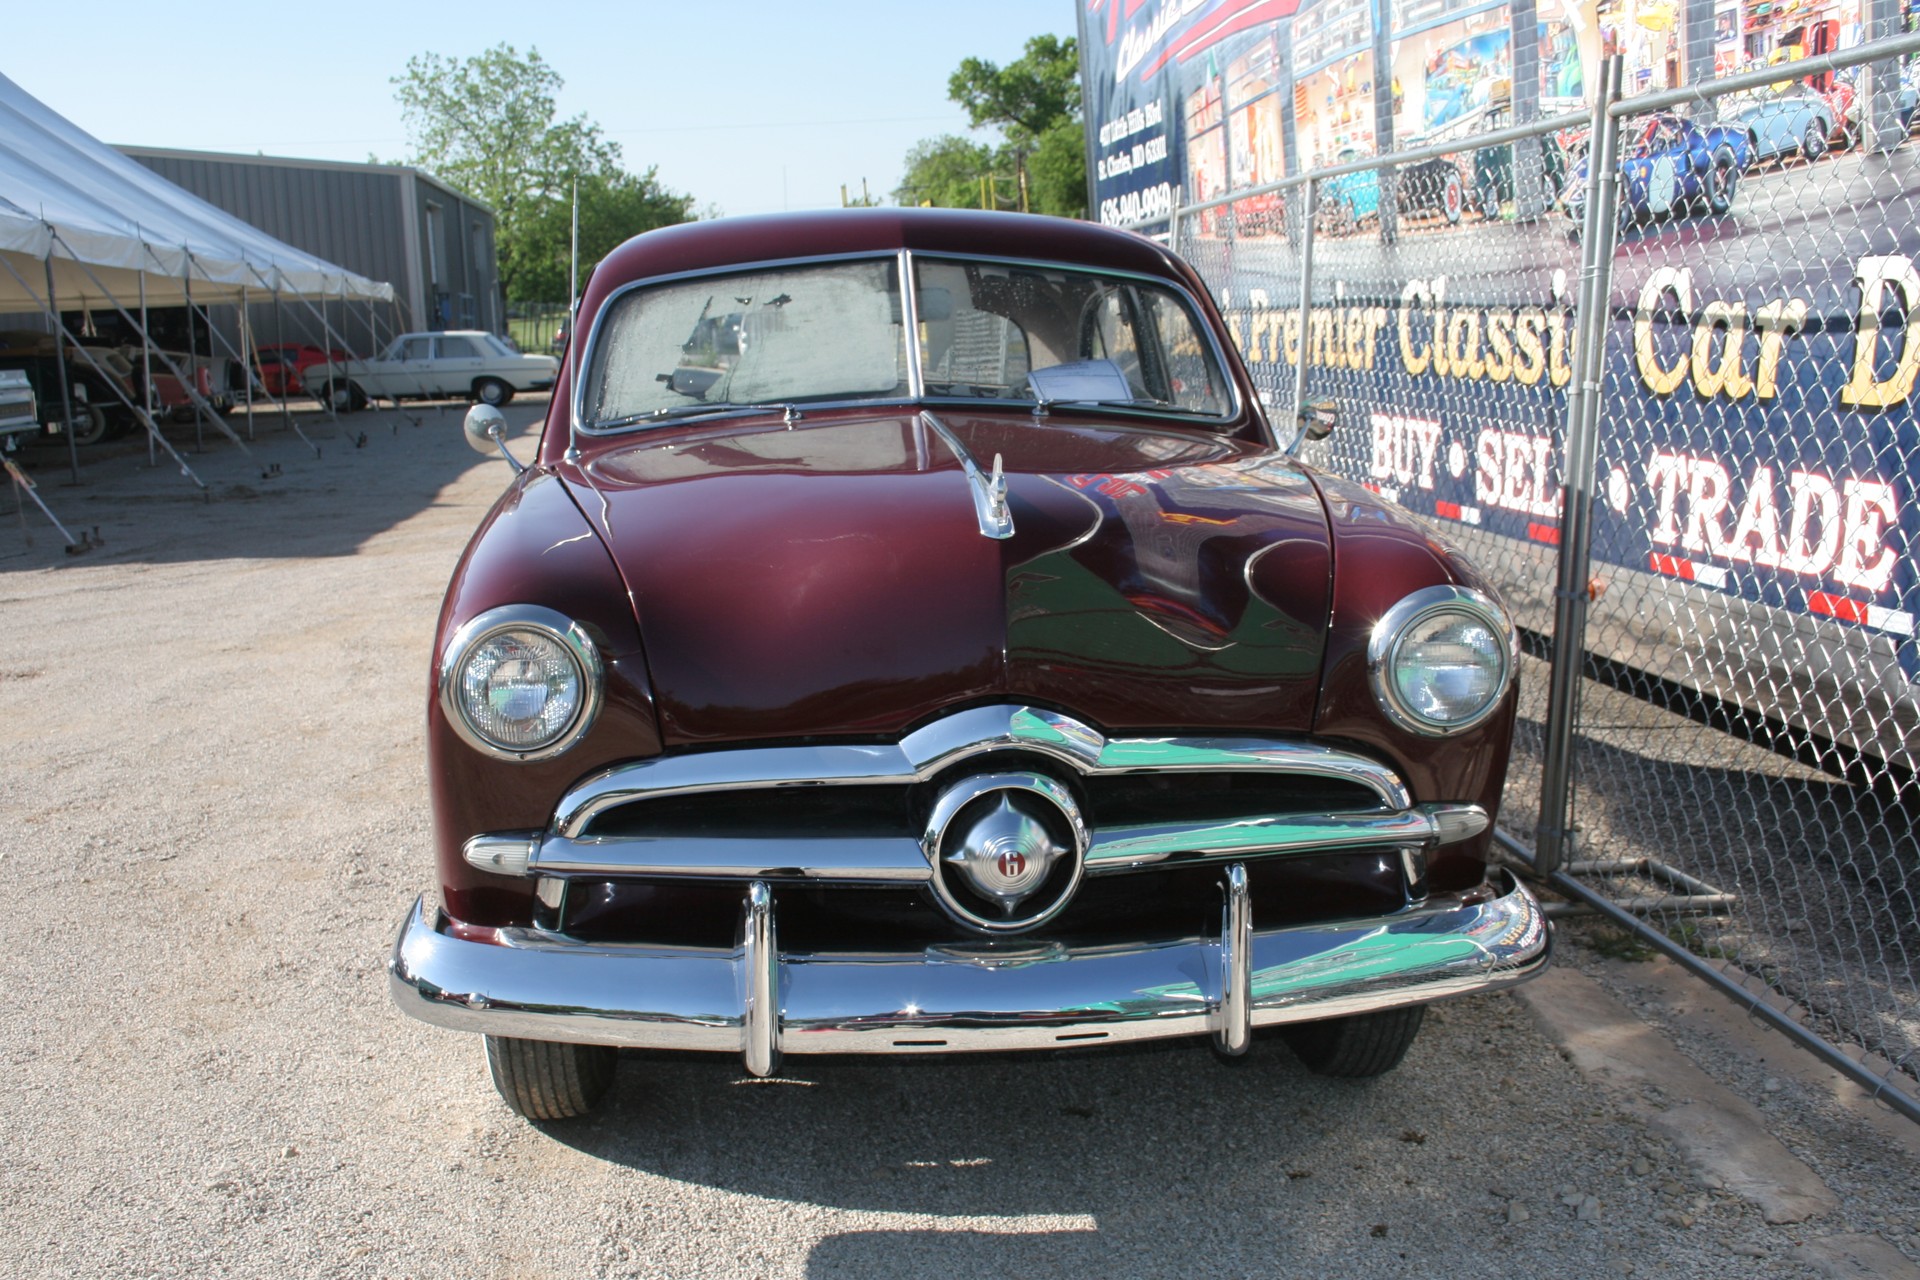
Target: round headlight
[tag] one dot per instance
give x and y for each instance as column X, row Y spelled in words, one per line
column 520, row 682
column 1441, row 659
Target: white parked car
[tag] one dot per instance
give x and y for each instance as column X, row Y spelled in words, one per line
column 464, row 363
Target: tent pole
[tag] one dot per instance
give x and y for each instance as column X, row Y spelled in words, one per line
column 146, row 366
column 202, row 407
column 279, row 329
column 165, row 359
column 324, row 339
column 60, row 363
column 112, row 384
column 280, row 339
column 239, row 355
column 246, row 366
column 193, row 354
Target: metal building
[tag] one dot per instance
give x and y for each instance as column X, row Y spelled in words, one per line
column 386, row 222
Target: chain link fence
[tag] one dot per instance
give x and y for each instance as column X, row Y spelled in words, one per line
column 538, row 328
column 1653, row 370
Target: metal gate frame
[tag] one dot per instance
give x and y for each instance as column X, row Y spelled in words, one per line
column 1549, row 858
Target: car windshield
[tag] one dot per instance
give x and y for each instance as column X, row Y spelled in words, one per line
column 1661, row 135
column 1013, row 332
column 835, row 332
column 774, row 336
column 497, row 345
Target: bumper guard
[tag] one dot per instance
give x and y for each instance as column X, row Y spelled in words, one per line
column 996, row 995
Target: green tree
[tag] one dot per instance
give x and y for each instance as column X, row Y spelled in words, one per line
column 945, row 172
column 1035, row 101
column 489, row 126
column 1059, row 170
column 614, row 206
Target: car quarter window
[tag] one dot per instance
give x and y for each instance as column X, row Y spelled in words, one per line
column 823, row 331
column 985, row 327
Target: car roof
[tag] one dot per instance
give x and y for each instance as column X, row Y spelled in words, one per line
column 725, row 242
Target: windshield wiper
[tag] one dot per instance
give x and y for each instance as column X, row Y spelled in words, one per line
column 703, row 409
column 1132, row 402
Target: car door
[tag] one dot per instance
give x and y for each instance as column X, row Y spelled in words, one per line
column 390, row 377
column 456, row 363
column 1775, row 127
column 1666, row 183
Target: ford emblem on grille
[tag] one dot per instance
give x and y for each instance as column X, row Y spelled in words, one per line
column 1006, row 849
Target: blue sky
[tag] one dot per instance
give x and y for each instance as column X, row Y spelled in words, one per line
column 747, row 106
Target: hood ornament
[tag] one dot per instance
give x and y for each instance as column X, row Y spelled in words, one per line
column 989, row 491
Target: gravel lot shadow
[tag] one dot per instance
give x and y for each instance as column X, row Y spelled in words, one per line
column 375, row 469
column 990, row 1136
column 955, row 1253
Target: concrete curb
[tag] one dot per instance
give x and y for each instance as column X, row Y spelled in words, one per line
column 1719, row 1131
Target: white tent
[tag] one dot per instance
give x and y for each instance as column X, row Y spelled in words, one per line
column 104, row 221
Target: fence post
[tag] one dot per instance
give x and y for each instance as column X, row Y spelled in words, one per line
column 1579, row 453
column 1306, row 314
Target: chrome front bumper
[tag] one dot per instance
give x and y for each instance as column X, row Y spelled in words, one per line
column 755, row 1001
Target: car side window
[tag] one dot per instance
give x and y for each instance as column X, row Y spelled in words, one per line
column 417, row 349
column 457, row 349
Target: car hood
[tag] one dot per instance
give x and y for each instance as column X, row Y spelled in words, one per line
column 833, row 578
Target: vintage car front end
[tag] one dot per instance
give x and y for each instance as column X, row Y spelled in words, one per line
column 913, row 641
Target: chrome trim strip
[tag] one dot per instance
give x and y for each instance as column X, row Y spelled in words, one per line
column 760, row 969
column 1120, row 849
column 869, row 859
column 989, row 493
column 1175, row 755
column 545, row 988
column 910, row 325
column 947, row 741
column 1233, row 1027
column 903, row 859
column 749, row 768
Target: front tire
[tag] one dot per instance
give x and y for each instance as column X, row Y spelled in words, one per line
column 1453, row 199
column 1722, row 179
column 492, row 391
column 542, row 1080
column 89, row 424
column 1488, row 200
column 344, row 397
column 1358, row 1047
column 1814, row 144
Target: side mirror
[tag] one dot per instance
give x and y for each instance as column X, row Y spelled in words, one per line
column 1318, row 418
column 486, row 430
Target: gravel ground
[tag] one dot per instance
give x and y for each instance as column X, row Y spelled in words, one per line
column 213, row 731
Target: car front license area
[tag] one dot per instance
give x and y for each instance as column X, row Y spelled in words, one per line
column 879, row 898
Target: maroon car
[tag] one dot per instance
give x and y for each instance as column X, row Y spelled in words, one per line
column 910, row 638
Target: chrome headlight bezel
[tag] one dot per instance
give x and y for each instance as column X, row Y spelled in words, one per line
column 572, row 640
column 1398, row 622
